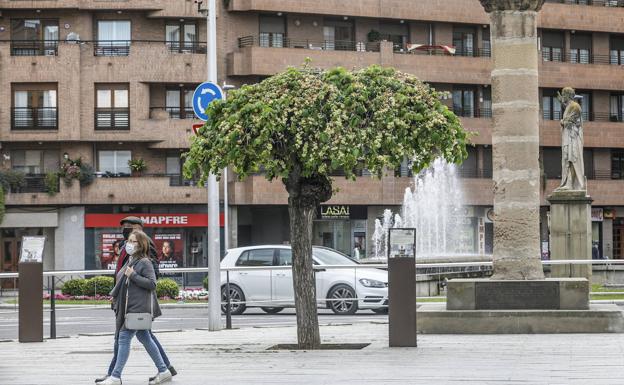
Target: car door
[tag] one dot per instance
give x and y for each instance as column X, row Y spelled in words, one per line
column 256, row 284
column 283, row 290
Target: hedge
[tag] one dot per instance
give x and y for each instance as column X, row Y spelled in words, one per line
column 74, row 287
column 167, row 288
column 99, row 286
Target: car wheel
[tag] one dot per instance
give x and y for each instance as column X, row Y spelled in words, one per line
column 380, row 310
column 337, row 302
column 272, row 310
column 236, row 297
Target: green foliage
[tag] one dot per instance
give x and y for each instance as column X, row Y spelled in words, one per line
column 137, row 165
column 12, row 180
column 167, row 287
column 51, row 183
column 205, row 282
column 373, row 35
column 316, row 122
column 99, row 285
column 74, row 287
column 1, row 203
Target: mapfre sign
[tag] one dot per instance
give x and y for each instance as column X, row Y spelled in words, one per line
column 150, row 220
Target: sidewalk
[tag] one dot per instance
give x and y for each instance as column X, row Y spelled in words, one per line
column 240, row 357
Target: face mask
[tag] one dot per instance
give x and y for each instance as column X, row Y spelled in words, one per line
column 130, row 248
column 126, row 232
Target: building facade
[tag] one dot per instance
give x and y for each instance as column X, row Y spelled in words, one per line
column 107, row 82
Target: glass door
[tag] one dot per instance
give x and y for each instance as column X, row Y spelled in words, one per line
column 10, row 256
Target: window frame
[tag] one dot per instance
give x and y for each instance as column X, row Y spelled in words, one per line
column 119, row 117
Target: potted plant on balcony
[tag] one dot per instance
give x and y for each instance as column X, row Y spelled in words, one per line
column 374, row 37
column 51, row 183
column 137, row 166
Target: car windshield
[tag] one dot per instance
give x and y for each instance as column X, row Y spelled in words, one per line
column 332, row 257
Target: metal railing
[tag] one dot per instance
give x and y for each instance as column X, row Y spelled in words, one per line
column 34, row 118
column 473, row 112
column 34, row 47
column 33, row 183
column 280, row 41
column 176, row 112
column 186, row 47
column 588, row 116
column 596, row 3
column 576, row 57
column 175, row 180
column 112, row 118
column 474, row 52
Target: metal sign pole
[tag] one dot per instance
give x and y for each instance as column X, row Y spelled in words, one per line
column 402, row 287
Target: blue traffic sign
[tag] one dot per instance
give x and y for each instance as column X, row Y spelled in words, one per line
column 205, row 94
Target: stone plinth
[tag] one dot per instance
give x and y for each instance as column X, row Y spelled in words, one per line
column 435, row 319
column 570, row 232
column 491, row 294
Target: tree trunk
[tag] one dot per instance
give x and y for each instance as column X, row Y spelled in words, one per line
column 308, row 334
column 304, row 195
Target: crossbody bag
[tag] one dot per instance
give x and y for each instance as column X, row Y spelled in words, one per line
column 138, row 321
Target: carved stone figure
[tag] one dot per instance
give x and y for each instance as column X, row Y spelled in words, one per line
column 512, row 5
column 572, row 166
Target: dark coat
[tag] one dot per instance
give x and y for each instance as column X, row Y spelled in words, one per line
column 140, row 291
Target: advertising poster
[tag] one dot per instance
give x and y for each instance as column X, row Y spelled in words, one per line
column 402, row 243
column 169, row 249
column 110, row 250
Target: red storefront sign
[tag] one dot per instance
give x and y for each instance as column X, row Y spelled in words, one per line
column 151, row 220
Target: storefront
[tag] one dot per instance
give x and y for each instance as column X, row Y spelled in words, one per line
column 180, row 240
column 342, row 227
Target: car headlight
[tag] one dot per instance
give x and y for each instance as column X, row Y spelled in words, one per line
column 371, row 283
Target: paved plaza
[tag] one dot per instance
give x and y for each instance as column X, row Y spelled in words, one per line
column 240, row 357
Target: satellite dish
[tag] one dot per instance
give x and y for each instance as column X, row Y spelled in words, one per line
column 72, row 36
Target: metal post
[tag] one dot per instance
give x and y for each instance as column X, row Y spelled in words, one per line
column 214, row 257
column 53, row 311
column 228, row 308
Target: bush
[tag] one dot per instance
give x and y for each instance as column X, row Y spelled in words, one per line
column 52, row 183
column 205, row 283
column 74, row 287
column 98, row 286
column 167, row 288
column 12, row 181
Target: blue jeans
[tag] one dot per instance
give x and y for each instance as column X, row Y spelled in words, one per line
column 158, row 345
column 123, row 350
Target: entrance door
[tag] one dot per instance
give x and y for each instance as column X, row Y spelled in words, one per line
column 618, row 239
column 10, row 256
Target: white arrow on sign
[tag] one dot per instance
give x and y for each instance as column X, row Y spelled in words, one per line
column 204, row 92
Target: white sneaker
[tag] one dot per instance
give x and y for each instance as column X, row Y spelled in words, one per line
column 111, row 381
column 161, row 378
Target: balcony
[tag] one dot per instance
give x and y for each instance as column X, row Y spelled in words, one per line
column 112, row 118
column 34, row 47
column 173, row 112
column 34, row 118
column 483, row 113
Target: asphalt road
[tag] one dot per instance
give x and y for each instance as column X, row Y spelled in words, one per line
column 92, row 320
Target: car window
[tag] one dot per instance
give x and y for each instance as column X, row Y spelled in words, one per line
column 330, row 257
column 285, row 257
column 259, row 257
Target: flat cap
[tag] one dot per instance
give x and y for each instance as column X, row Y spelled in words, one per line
column 132, row 220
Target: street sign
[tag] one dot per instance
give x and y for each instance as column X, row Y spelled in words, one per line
column 196, row 127
column 205, row 94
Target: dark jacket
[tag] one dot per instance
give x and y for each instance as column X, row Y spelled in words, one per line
column 141, row 291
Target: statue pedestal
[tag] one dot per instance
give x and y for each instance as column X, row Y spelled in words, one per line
column 570, row 232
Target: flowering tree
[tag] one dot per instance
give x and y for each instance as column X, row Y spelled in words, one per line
column 302, row 124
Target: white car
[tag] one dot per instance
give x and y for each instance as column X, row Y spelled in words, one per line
column 272, row 290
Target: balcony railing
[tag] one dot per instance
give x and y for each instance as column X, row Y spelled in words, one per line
column 473, row 113
column 33, row 183
column 175, row 112
column 175, row 180
column 34, row 118
column 122, row 47
column 277, row 41
column 439, row 51
column 34, row 47
column 596, row 3
column 587, row 116
column 186, row 47
column 112, row 118
column 111, row 48
column 577, row 57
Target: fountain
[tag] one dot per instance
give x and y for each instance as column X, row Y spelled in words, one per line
column 434, row 206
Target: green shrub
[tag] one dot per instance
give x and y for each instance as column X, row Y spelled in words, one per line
column 167, row 288
column 74, row 287
column 99, row 285
column 51, row 183
column 12, row 181
column 205, row 283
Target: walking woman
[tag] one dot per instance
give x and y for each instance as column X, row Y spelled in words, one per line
column 134, row 293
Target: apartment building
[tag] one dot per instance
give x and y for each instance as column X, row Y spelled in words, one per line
column 109, row 82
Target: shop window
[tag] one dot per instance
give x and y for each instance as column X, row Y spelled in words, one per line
column 114, row 163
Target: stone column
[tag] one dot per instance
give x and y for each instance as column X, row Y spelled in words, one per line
column 515, row 138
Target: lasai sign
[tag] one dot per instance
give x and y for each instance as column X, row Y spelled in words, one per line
column 335, row 212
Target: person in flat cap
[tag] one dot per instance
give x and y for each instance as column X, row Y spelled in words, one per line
column 128, row 225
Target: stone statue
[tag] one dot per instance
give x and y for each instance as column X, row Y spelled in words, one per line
column 572, row 166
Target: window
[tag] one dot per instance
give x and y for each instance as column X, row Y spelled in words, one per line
column 34, row 37
column 179, row 103
column 113, row 38
column 111, row 107
column 487, row 45
column 616, row 107
column 616, row 53
column 464, row 41
column 551, row 159
column 338, row 35
column 463, row 102
column 34, row 107
column 469, row 167
column 585, row 102
column 181, row 37
column 552, row 46
column 580, row 48
column 35, row 161
column 114, row 162
column 551, row 107
column 272, row 31
column 396, row 32
column 285, row 257
column 260, row 257
column 617, row 164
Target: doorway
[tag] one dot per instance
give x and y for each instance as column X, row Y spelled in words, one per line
column 9, row 254
column 618, row 238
